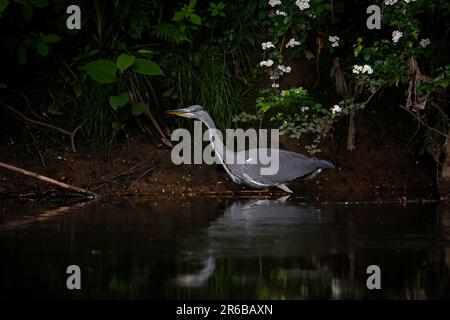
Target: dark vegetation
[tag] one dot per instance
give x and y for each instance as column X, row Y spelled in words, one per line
column 87, row 106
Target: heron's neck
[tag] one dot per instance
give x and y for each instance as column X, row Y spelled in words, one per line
column 221, row 150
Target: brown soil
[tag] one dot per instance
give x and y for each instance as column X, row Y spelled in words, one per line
column 383, row 167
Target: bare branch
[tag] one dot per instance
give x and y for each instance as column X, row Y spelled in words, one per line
column 47, row 179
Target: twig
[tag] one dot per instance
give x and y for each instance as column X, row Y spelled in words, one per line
column 140, row 177
column 424, row 123
column 129, row 171
column 47, row 179
column 40, row 123
column 38, row 150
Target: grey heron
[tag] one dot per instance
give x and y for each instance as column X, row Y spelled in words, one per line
column 292, row 166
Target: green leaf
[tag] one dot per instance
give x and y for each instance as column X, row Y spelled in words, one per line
column 119, row 101
column 124, row 61
column 147, row 67
column 21, row 55
column 138, row 108
column 178, row 16
column 42, row 49
column 195, row 19
column 192, row 3
column 50, row 38
column 102, row 71
column 3, row 5
column 145, row 52
column 85, row 54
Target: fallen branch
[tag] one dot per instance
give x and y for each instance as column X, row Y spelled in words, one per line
column 47, row 179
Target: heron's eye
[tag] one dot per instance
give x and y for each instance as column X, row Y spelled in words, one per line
column 213, row 138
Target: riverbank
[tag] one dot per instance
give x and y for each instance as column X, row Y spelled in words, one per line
column 138, row 167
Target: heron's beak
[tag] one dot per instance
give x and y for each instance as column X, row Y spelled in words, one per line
column 179, row 112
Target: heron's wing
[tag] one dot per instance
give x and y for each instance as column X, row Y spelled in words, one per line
column 291, row 166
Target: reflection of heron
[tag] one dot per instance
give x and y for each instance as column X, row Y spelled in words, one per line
column 257, row 227
column 292, row 165
column 270, row 228
column 199, row 278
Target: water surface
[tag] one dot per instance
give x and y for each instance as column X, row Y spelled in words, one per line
column 225, row 249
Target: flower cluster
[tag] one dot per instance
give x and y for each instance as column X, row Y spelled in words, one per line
column 390, row 2
column 302, row 4
column 336, row 109
column 425, row 43
column 396, row 35
column 277, row 73
column 362, row 69
column 267, row 63
column 284, row 69
column 292, row 43
column 274, row 3
column 267, row 45
column 281, row 13
column 334, row 41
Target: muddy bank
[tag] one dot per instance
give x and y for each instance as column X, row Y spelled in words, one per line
column 387, row 172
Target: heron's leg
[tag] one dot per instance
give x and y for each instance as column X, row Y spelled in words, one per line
column 283, row 198
column 284, row 188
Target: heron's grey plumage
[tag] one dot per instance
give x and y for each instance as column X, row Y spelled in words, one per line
column 242, row 170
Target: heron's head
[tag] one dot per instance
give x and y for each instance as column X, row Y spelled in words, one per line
column 195, row 112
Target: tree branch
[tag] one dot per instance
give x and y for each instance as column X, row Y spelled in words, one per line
column 47, row 179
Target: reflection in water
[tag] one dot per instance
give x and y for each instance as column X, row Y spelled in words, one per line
column 248, row 228
column 198, row 279
column 203, row 248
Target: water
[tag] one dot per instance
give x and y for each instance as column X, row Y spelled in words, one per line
column 225, row 249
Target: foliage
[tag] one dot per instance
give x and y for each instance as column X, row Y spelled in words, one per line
column 104, row 71
column 217, row 53
column 298, row 114
column 212, row 57
column 409, row 37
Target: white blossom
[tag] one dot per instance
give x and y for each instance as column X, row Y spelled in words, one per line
column 362, row 69
column 396, row 35
column 267, row 45
column 275, row 85
column 274, row 3
column 357, row 69
column 408, row 1
column 334, row 41
column 284, row 69
column 292, row 43
column 390, row 2
column 302, row 4
column 425, row 43
column 303, row 109
column 281, row 13
column 367, row 68
column 267, row 63
column 336, row 109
